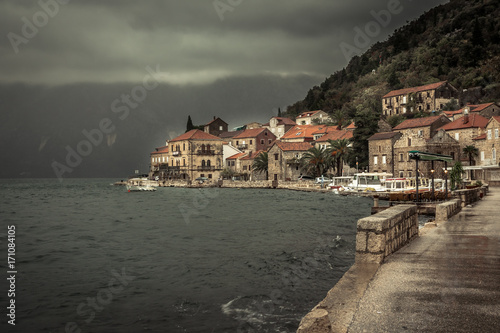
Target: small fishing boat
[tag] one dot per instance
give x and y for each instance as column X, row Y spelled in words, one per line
column 141, row 184
column 368, row 182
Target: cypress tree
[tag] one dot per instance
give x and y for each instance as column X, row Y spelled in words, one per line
column 189, row 125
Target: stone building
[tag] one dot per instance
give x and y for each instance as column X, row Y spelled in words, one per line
column 196, row 154
column 216, row 127
column 381, row 151
column 466, row 128
column 307, row 118
column 420, row 134
column 246, row 167
column 428, row 98
column 252, row 140
column 159, row 163
column 488, row 145
column 279, row 126
column 283, row 159
column 322, row 142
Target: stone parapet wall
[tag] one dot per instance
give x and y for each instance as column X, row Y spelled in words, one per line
column 469, row 196
column 384, row 233
column 447, row 209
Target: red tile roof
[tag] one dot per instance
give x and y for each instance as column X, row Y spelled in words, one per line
column 481, row 137
column 351, row 126
column 326, row 130
column 418, row 122
column 236, row 156
column 407, row 91
column 497, row 118
column 293, row 146
column 285, row 121
column 336, row 135
column 250, row 133
column 302, row 131
column 308, row 114
column 196, row 134
column 226, row 135
column 215, row 120
column 452, row 113
column 480, row 107
column 383, row 136
column 253, row 155
column 161, row 150
column 475, row 120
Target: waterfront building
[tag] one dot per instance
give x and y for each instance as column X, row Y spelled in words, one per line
column 421, row 134
column 283, row 159
column 216, row 126
column 467, row 127
column 322, row 142
column 381, row 151
column 195, row 154
column 308, row 117
column 252, row 140
column 488, row 145
column 246, row 167
column 279, row 126
column 428, row 98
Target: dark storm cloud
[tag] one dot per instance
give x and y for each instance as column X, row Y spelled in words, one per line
column 112, row 41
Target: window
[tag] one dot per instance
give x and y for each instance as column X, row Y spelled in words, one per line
column 221, row 128
column 409, row 142
column 409, row 173
column 184, row 162
column 208, row 163
column 401, row 174
column 401, row 158
column 210, row 176
column 276, row 157
column 404, row 109
column 452, row 154
column 183, row 146
column 379, row 149
column 482, row 156
column 203, row 163
column 457, row 136
column 261, row 141
column 269, row 141
column 384, row 159
column 428, row 106
column 494, row 156
column 496, row 133
column 375, row 160
column 421, row 133
column 228, row 163
column 251, row 141
column 245, row 167
column 489, row 134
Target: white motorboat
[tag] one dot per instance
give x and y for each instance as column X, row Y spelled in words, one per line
column 141, row 184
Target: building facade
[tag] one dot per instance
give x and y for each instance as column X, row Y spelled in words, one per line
column 216, row 127
column 307, row 118
column 279, row 126
column 252, row 140
column 283, row 159
column 196, row 154
column 381, row 152
column 427, row 98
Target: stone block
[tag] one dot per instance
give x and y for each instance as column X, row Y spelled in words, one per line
column 376, row 242
column 373, row 223
column 361, row 238
column 369, row 258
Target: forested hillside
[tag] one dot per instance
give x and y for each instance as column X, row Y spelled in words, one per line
column 458, row 41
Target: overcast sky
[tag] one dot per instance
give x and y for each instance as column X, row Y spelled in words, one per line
column 67, row 65
column 195, row 41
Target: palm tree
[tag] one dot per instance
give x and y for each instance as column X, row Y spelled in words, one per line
column 260, row 163
column 456, row 175
column 339, row 149
column 316, row 161
column 339, row 118
column 471, row 151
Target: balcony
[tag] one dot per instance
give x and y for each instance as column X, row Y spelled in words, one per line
column 176, row 153
column 206, row 168
column 205, row 152
column 245, row 146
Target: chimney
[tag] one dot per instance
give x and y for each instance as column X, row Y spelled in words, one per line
column 466, row 115
column 214, row 117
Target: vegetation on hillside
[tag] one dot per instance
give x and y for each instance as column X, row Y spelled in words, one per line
column 458, row 42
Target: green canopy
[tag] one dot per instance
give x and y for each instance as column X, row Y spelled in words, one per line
column 424, row 156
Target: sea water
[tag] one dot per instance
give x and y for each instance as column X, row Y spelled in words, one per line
column 92, row 257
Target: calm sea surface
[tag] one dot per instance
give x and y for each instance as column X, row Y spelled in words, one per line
column 91, row 257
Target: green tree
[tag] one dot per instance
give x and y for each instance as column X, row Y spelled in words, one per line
column 316, row 161
column 340, row 119
column 395, row 120
column 456, row 175
column 227, row 173
column 279, row 112
column 471, row 152
column 339, row 150
column 452, row 105
column 260, row 164
column 366, row 122
column 189, row 125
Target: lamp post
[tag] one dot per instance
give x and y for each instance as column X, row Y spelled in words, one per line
column 446, row 180
column 432, row 175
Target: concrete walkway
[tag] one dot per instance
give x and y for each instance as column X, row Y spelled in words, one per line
column 447, row 280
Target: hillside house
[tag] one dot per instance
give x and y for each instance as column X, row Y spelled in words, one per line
column 466, row 128
column 428, row 98
column 279, row 126
column 216, row 127
column 302, row 133
column 252, row 140
column 308, row 117
column 381, row 151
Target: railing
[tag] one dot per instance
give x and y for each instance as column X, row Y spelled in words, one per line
column 206, row 168
column 176, row 153
column 245, row 146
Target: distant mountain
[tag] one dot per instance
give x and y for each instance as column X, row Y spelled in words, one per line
column 458, row 41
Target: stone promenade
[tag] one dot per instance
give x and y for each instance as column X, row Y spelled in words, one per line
column 447, row 280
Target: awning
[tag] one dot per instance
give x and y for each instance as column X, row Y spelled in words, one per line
column 424, row 156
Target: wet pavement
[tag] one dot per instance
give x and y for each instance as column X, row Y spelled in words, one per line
column 447, row 280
